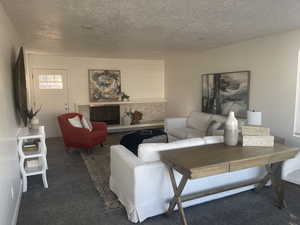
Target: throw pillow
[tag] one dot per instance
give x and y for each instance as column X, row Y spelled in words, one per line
column 212, row 127
column 75, row 122
column 87, row 124
column 198, row 121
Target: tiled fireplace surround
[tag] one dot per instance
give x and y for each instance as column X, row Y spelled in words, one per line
column 154, row 111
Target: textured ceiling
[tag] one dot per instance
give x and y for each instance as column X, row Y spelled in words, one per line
column 146, row 28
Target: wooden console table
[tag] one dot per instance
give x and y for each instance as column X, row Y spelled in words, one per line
column 208, row 160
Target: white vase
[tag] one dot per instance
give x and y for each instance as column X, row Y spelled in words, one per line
column 35, row 123
column 231, row 133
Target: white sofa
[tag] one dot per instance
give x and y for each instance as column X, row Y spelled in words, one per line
column 143, row 186
column 195, row 125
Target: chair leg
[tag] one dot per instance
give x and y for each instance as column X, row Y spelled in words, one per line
column 44, row 176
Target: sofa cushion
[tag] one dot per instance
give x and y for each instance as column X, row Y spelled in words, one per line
column 219, row 118
column 183, row 133
column 212, row 127
column 199, row 121
column 87, row 124
column 222, row 119
column 149, row 152
column 75, row 122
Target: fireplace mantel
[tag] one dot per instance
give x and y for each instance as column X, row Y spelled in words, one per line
column 133, row 101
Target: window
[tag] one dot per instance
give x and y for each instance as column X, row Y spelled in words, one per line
column 50, row 81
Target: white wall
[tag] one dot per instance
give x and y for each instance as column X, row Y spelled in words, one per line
column 273, row 65
column 139, row 78
column 9, row 169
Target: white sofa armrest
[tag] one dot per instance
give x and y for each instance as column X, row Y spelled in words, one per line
column 134, row 180
column 119, row 152
column 149, row 179
column 122, row 166
column 132, row 174
column 291, row 165
column 179, row 122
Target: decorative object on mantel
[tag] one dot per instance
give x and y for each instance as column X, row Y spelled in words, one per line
column 257, row 136
column 104, row 85
column 124, row 97
column 32, row 121
column 254, row 118
column 126, row 119
column 225, row 92
column 231, row 132
column 135, row 116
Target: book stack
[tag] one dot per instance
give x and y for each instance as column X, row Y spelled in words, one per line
column 30, row 146
column 257, row 136
column 32, row 163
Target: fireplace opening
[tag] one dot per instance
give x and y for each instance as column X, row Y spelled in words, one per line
column 109, row 114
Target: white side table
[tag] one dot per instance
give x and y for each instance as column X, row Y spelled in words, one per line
column 40, row 154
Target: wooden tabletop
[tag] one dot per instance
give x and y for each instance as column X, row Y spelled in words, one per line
column 207, row 160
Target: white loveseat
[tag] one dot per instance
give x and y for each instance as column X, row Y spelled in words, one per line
column 143, row 186
column 195, row 125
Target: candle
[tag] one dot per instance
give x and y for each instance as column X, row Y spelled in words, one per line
column 254, row 118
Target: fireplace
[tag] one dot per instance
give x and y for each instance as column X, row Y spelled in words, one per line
column 109, row 114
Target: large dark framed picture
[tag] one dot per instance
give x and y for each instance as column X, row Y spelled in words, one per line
column 225, row 92
column 104, row 85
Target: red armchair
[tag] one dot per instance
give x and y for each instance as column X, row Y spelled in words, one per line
column 81, row 137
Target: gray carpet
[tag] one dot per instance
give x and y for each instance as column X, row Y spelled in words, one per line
column 72, row 199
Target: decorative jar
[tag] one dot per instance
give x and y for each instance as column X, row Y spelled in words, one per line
column 231, row 133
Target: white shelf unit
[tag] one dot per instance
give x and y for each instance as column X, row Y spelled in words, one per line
column 40, row 154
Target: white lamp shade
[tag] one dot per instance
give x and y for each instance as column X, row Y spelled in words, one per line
column 254, row 118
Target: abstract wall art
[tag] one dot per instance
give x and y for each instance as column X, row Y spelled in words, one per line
column 104, row 85
column 225, row 92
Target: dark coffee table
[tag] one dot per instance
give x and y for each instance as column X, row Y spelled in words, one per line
column 131, row 141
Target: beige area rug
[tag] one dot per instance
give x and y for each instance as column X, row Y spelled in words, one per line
column 98, row 165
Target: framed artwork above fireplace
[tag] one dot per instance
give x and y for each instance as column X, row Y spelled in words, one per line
column 104, row 85
column 225, row 92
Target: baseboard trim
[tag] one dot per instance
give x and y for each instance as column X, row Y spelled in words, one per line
column 16, row 211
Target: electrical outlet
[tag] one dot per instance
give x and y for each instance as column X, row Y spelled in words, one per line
column 12, row 192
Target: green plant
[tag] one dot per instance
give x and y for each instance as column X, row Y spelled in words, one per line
column 124, row 96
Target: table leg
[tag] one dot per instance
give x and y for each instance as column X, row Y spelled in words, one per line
column 278, row 184
column 176, row 200
column 274, row 174
column 265, row 180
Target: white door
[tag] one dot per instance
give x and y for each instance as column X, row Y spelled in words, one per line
column 51, row 94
